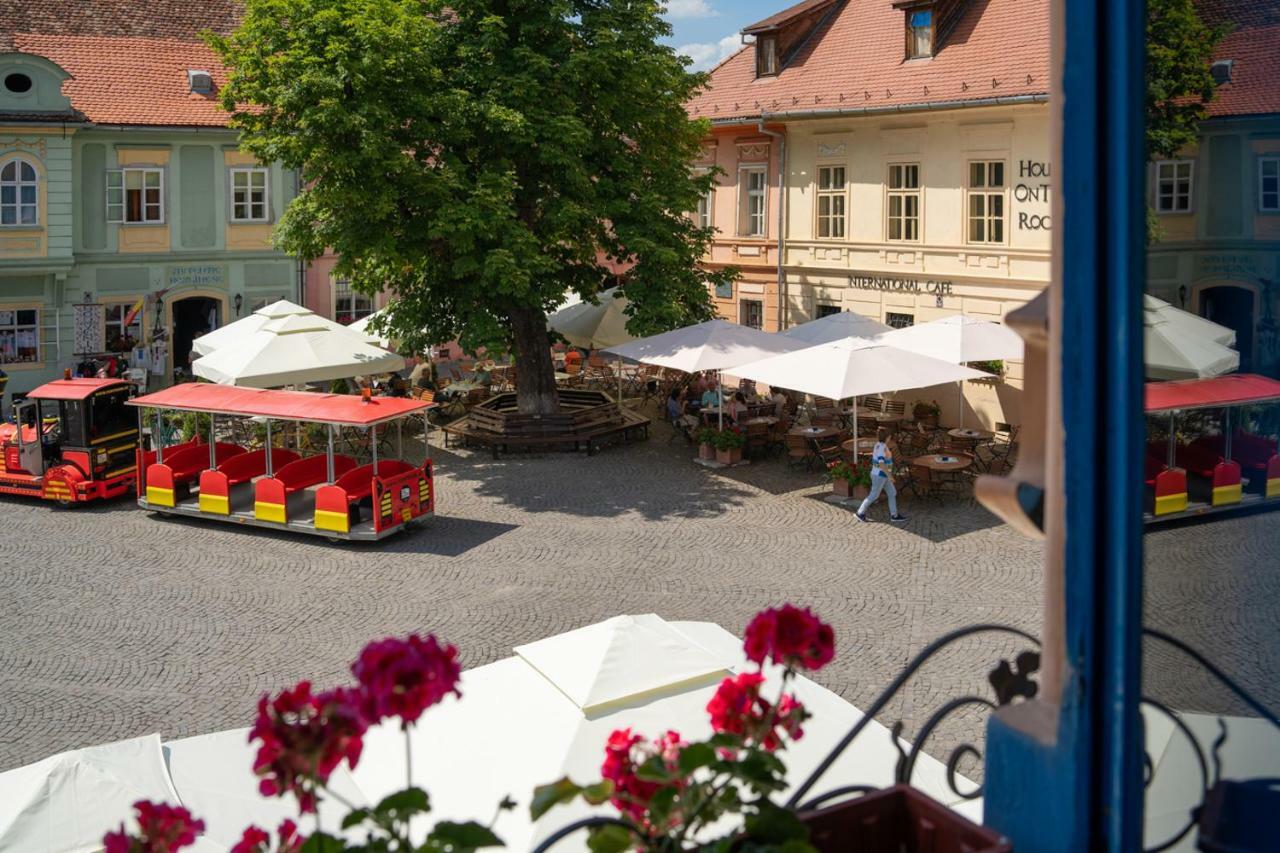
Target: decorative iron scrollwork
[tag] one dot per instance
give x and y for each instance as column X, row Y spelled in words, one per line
column 1012, row 682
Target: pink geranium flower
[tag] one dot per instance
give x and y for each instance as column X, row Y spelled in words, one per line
column 257, row 840
column 624, row 754
column 790, row 636
column 162, row 828
column 737, row 708
column 304, row 737
column 403, row 678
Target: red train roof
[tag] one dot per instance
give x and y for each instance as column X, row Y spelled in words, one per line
column 284, row 405
column 1235, row 390
column 72, row 389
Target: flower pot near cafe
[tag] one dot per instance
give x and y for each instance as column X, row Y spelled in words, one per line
column 729, row 456
column 845, row 489
column 706, row 450
column 897, row 819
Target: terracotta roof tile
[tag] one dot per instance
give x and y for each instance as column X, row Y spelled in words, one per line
column 1254, row 44
column 786, row 15
column 137, row 81
column 999, row 48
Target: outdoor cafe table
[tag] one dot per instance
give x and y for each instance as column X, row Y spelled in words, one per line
column 943, row 463
column 864, row 446
column 974, row 435
column 767, row 420
column 814, row 433
column 464, row 387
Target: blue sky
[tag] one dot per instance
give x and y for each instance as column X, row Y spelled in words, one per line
column 707, row 30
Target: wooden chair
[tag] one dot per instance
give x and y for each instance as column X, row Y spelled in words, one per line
column 920, row 481
column 830, row 453
column 757, row 440
column 897, row 408
column 799, row 451
column 871, row 404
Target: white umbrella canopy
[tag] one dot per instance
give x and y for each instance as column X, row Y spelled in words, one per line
column 245, row 326
column 1186, row 323
column 713, row 345
column 1171, row 353
column 853, row 368
column 590, row 326
column 361, row 327
column 836, row 327
column 547, row 713
column 294, row 351
column 958, row 339
column 67, row 802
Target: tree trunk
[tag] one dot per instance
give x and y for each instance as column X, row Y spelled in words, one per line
column 535, row 372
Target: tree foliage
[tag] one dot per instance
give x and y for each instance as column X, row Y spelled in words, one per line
column 1180, row 48
column 480, row 158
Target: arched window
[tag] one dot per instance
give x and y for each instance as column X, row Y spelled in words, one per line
column 19, row 194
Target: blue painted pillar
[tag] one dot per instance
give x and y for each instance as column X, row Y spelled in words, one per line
column 1065, row 775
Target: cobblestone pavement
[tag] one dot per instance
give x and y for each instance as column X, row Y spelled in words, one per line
column 115, row 623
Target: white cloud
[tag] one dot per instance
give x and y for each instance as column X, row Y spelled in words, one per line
column 678, row 9
column 706, row 55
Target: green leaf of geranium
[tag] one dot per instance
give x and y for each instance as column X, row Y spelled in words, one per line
column 598, row 793
column 609, row 839
column 404, row 804
column 547, row 796
column 695, row 756
column 773, row 824
column 464, row 836
column 355, row 818
column 762, row 771
column 318, row 842
column 654, row 770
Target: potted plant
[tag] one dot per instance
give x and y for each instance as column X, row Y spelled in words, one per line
column 993, row 366
column 849, row 481
column 706, row 443
column 926, row 413
column 729, row 444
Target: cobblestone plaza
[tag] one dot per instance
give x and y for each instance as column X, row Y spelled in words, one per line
column 115, row 623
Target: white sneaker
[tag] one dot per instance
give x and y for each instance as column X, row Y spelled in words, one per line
column 860, row 517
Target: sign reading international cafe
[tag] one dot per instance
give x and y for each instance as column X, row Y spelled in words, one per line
column 901, row 285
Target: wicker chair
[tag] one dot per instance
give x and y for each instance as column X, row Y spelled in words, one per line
column 799, row 451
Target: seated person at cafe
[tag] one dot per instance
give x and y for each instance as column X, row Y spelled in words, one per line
column 747, row 387
column 779, row 400
column 711, row 396
column 736, row 410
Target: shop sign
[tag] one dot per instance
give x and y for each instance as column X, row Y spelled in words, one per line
column 901, row 285
column 196, row 275
column 1227, row 266
column 1032, row 187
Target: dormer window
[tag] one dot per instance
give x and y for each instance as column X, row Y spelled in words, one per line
column 766, row 56
column 919, row 33
column 201, row 82
column 1221, row 71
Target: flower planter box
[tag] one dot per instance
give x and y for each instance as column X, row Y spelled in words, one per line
column 899, row 820
column 706, row 451
column 845, row 489
column 732, row 456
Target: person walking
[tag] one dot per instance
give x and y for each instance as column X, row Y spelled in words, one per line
column 882, row 478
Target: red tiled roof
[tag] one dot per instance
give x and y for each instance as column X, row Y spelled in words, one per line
column 786, row 15
column 998, row 48
column 132, row 80
column 165, row 19
column 1254, row 44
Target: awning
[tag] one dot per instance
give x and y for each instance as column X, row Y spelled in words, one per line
column 342, row 409
column 1235, row 390
column 74, row 389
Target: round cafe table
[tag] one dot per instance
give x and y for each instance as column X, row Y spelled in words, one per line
column 814, row 433
column 863, row 446
column 767, row 420
column 966, row 434
column 943, row 462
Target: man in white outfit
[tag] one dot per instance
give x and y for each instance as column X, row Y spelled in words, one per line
column 882, row 479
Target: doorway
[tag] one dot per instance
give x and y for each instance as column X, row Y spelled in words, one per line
column 192, row 317
column 1232, row 307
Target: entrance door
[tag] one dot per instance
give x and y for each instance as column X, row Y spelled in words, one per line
column 1232, row 307
column 192, row 317
column 30, row 457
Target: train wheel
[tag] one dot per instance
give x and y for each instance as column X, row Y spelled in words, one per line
column 65, row 504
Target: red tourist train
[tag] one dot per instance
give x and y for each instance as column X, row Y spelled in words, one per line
column 326, row 493
column 1218, row 452
column 73, row 440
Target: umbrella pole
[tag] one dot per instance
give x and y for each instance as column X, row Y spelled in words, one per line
column 619, row 383
column 720, row 394
column 960, row 400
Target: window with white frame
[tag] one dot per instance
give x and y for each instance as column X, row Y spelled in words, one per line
column 751, row 313
column 703, row 214
column 752, row 188
column 135, row 195
column 249, row 195
column 349, row 305
column 904, row 201
column 1173, row 186
column 119, row 325
column 831, row 201
column 19, row 194
column 19, row 335
column 986, row 201
column 1269, row 184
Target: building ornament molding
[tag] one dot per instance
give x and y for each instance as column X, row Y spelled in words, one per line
column 38, row 145
column 753, row 151
column 826, row 149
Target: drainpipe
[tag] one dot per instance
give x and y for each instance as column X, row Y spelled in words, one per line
column 302, row 263
column 782, row 218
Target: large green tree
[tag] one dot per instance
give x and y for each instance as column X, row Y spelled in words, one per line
column 1180, row 46
column 481, row 158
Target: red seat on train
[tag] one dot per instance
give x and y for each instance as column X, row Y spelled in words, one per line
column 1154, row 467
column 187, row 464
column 358, row 482
column 1199, row 457
column 1253, row 452
column 311, row 470
column 244, row 467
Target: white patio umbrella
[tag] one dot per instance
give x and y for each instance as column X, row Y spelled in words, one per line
column 68, row 801
column 1186, row 323
column 590, row 326
column 958, row 339
column 294, row 351
column 836, row 327
column 853, row 368
column 714, row 345
column 361, row 327
column 547, row 713
column 245, row 326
